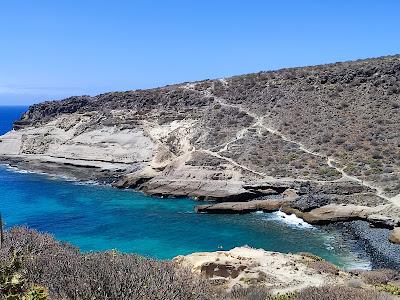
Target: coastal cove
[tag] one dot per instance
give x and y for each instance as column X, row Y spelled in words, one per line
column 154, row 150
column 96, row 218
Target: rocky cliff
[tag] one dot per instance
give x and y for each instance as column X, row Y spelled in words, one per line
column 321, row 137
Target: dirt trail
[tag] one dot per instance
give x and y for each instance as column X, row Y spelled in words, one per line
column 215, row 154
column 258, row 123
column 331, row 162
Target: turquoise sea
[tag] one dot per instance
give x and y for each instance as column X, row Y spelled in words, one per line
column 95, row 217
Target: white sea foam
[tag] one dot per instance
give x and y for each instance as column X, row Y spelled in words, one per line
column 357, row 264
column 87, row 182
column 49, row 176
column 16, row 170
column 292, row 220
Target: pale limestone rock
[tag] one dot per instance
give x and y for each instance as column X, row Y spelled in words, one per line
column 280, row 272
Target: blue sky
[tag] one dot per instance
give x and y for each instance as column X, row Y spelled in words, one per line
column 53, row 49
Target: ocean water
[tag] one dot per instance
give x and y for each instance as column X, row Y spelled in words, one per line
column 8, row 114
column 94, row 218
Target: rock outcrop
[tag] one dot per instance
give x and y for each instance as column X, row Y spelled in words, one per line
column 243, row 266
column 242, row 207
column 342, row 212
column 281, row 273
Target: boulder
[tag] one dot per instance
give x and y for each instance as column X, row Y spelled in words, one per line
column 394, row 235
column 337, row 212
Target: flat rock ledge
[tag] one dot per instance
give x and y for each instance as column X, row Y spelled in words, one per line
column 348, row 212
column 383, row 215
column 268, row 205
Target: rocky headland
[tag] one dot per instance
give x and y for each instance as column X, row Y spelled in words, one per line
column 321, row 142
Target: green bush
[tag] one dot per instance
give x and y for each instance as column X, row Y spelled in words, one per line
column 36, row 292
column 311, row 256
column 12, row 282
column 390, row 288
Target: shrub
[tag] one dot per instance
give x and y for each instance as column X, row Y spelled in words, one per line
column 395, row 105
column 323, row 266
column 381, row 276
column 12, row 281
column 36, row 292
column 339, row 293
column 310, row 255
column 69, row 274
column 249, row 293
column 339, row 141
column 288, row 296
column 390, row 288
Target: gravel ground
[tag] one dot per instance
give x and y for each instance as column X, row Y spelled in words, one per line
column 373, row 242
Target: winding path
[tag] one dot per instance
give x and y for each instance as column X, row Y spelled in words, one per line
column 259, row 122
column 331, row 162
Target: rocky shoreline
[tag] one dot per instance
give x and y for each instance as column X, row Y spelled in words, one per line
column 314, row 202
column 374, row 241
column 369, row 241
